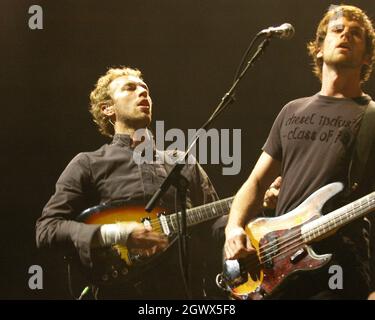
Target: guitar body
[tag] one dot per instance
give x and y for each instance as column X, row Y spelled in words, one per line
column 117, row 263
column 281, row 250
column 301, row 257
column 120, row 213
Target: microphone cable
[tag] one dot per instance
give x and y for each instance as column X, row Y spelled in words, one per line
column 84, row 292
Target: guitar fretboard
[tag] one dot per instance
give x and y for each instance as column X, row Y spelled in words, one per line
column 338, row 218
column 201, row 214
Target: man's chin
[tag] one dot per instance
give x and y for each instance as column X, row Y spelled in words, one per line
column 344, row 62
column 147, row 120
column 143, row 121
column 137, row 122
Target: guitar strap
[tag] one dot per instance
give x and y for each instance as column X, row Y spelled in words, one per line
column 363, row 146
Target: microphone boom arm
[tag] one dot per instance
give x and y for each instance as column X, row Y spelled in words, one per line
column 179, row 181
column 225, row 101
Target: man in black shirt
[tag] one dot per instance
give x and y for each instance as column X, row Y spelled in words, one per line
column 310, row 145
column 121, row 105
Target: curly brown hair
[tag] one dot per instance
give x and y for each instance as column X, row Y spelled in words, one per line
column 100, row 96
column 353, row 14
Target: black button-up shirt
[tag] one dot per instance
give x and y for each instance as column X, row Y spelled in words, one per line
column 107, row 174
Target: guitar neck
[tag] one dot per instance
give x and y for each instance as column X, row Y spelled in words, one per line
column 322, row 227
column 202, row 213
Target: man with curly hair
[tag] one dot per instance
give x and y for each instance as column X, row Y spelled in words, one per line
column 121, row 105
column 310, row 145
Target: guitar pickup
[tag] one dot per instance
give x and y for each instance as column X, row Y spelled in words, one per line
column 164, row 224
column 298, row 255
column 271, row 241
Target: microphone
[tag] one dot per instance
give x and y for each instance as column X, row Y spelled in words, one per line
column 285, row 31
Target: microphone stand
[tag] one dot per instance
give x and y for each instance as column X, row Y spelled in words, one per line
column 176, row 179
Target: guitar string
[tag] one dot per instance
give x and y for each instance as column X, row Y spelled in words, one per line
column 156, row 225
column 312, row 231
column 296, row 236
column 298, row 242
column 285, row 239
column 254, row 262
column 288, row 237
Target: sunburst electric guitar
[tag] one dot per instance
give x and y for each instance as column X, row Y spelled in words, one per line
column 120, row 264
column 282, row 244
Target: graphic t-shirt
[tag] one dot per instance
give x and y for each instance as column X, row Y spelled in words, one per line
column 313, row 138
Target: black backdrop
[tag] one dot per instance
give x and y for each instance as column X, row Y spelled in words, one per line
column 188, row 51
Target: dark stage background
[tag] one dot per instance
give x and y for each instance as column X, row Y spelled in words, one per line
column 188, row 52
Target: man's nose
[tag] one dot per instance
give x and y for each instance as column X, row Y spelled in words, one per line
column 346, row 33
column 143, row 92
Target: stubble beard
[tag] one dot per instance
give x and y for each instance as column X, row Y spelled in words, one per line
column 135, row 122
column 342, row 61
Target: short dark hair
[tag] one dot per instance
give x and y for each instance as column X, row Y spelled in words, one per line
column 353, row 14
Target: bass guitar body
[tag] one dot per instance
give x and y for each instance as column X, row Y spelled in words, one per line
column 282, row 246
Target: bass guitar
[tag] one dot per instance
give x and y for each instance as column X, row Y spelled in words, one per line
column 282, row 244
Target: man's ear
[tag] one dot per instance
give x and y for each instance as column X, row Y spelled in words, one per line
column 367, row 60
column 107, row 109
column 319, row 54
